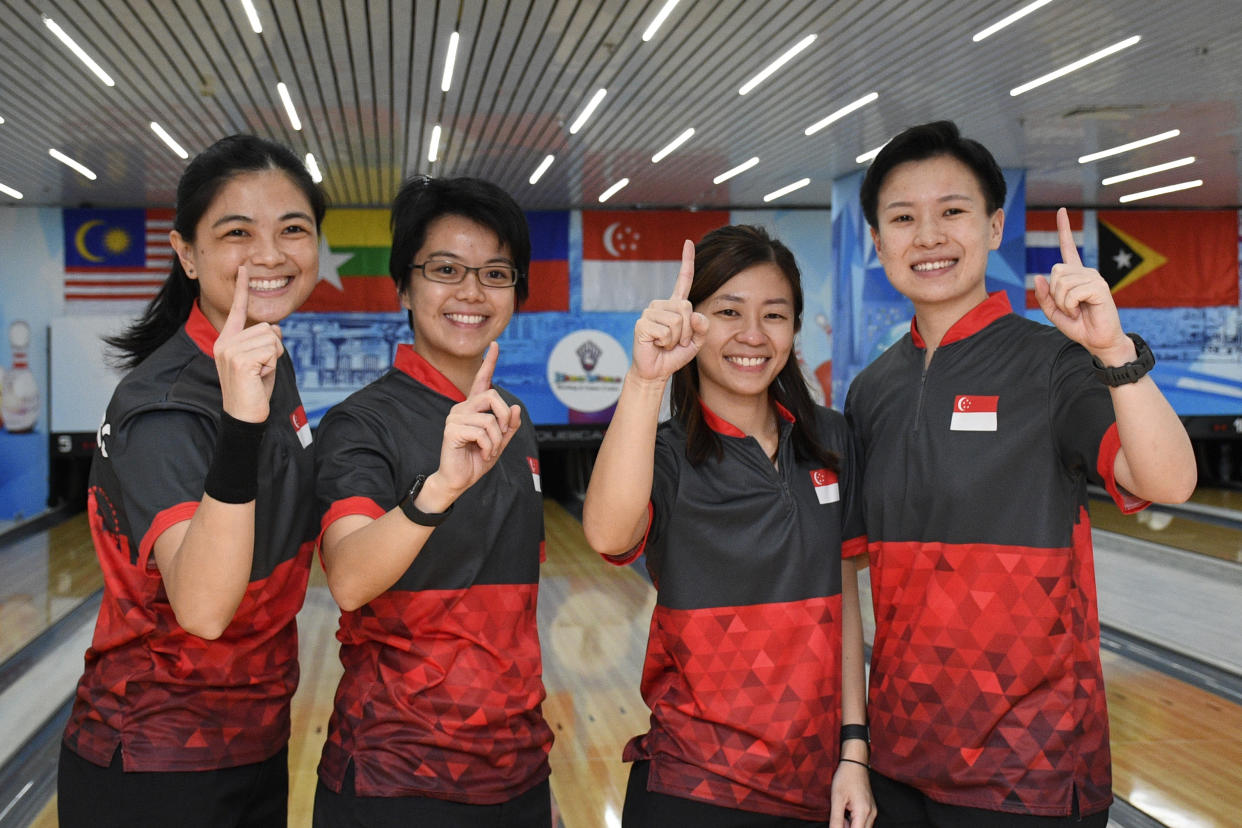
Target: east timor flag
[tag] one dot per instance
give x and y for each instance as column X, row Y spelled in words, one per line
column 1170, row 259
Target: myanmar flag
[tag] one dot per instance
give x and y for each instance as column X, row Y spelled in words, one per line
column 353, row 264
column 1170, row 259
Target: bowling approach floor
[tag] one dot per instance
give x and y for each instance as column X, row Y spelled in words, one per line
column 1169, row 583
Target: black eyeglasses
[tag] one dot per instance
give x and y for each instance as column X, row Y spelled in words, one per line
column 449, row 272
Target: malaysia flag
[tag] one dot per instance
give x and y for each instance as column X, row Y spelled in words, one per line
column 115, row 259
column 631, row 257
column 974, row 413
column 827, row 490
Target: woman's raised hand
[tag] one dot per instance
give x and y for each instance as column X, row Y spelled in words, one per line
column 669, row 333
column 246, row 358
column 477, row 430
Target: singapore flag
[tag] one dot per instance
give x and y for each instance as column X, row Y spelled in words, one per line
column 827, row 490
column 974, row 413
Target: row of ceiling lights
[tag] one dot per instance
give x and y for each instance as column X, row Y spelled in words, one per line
column 589, row 109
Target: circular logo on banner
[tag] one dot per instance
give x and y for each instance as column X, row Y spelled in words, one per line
column 585, row 370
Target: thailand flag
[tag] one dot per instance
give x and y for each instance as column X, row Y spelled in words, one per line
column 826, row 488
column 1043, row 246
column 974, row 413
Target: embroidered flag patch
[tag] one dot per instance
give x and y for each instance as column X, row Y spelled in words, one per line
column 973, row 413
column 301, row 426
column 533, row 462
column 826, row 488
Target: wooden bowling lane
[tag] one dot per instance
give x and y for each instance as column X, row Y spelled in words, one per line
column 1161, row 526
column 593, row 621
column 42, row 577
column 1177, row 751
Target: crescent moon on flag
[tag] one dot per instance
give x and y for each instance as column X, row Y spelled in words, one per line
column 79, row 240
column 609, row 245
column 963, row 404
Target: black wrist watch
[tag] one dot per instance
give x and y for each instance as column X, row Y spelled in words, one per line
column 855, row 731
column 412, row 512
column 1144, row 361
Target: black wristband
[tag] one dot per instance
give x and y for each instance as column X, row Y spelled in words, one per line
column 855, row 731
column 412, row 512
column 233, row 476
column 1113, row 376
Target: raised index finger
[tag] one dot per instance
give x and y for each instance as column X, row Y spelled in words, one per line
column 1069, row 251
column 241, row 297
column 686, row 275
column 483, row 379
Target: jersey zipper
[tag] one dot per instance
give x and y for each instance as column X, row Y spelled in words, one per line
column 918, row 409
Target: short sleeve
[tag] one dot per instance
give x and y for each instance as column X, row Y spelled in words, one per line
column 853, row 522
column 355, row 470
column 160, row 459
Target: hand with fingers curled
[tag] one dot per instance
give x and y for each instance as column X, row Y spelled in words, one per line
column 669, row 332
column 246, row 358
column 476, row 433
column 1079, row 302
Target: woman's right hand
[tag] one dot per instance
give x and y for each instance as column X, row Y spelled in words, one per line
column 668, row 334
column 246, row 358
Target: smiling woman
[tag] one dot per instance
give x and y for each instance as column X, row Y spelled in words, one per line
column 200, row 513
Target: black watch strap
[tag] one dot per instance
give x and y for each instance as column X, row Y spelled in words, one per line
column 855, row 731
column 412, row 512
column 1114, row 376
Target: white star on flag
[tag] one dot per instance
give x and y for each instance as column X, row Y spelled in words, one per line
column 330, row 264
column 1122, row 259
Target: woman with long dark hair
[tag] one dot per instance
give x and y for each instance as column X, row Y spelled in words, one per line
column 201, row 509
column 745, row 503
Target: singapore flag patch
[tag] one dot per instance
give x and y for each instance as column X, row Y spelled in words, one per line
column 301, row 426
column 534, row 472
column 973, row 413
column 826, row 488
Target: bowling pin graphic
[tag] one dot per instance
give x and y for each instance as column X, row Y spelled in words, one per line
column 19, row 394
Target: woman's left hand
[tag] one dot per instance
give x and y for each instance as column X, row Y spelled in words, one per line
column 1078, row 301
column 852, row 803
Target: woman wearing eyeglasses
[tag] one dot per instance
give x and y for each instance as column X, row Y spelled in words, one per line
column 432, row 524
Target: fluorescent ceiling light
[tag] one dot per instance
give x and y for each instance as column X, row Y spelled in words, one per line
column 312, row 167
column 253, row 15
column 586, row 112
column 1075, row 66
column 69, row 162
column 674, row 144
column 1142, row 142
column 1013, row 18
column 1172, row 188
column 449, row 59
column 1170, row 165
column 294, row 121
column 841, row 113
column 869, row 155
column 777, row 64
column 659, row 19
column 541, row 169
column 739, row 169
column 613, row 190
column 433, row 147
column 1, row 119
column 787, row 189
column 9, row 191
column 72, row 46
column 169, row 140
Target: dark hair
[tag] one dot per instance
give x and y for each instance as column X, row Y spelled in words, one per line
column 722, row 254
column 423, row 199
column 203, row 178
column 919, row 143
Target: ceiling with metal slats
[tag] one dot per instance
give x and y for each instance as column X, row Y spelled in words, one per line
column 365, row 80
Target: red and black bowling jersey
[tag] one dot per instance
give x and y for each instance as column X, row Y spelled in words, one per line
column 986, row 689
column 443, row 683
column 171, row 700
column 743, row 665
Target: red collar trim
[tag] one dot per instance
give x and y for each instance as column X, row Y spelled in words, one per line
column 720, row 425
column 975, row 320
column 410, row 362
column 200, row 329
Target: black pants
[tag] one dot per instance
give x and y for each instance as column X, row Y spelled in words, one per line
column 346, row 809
column 902, row 806
column 248, row 796
column 648, row 809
